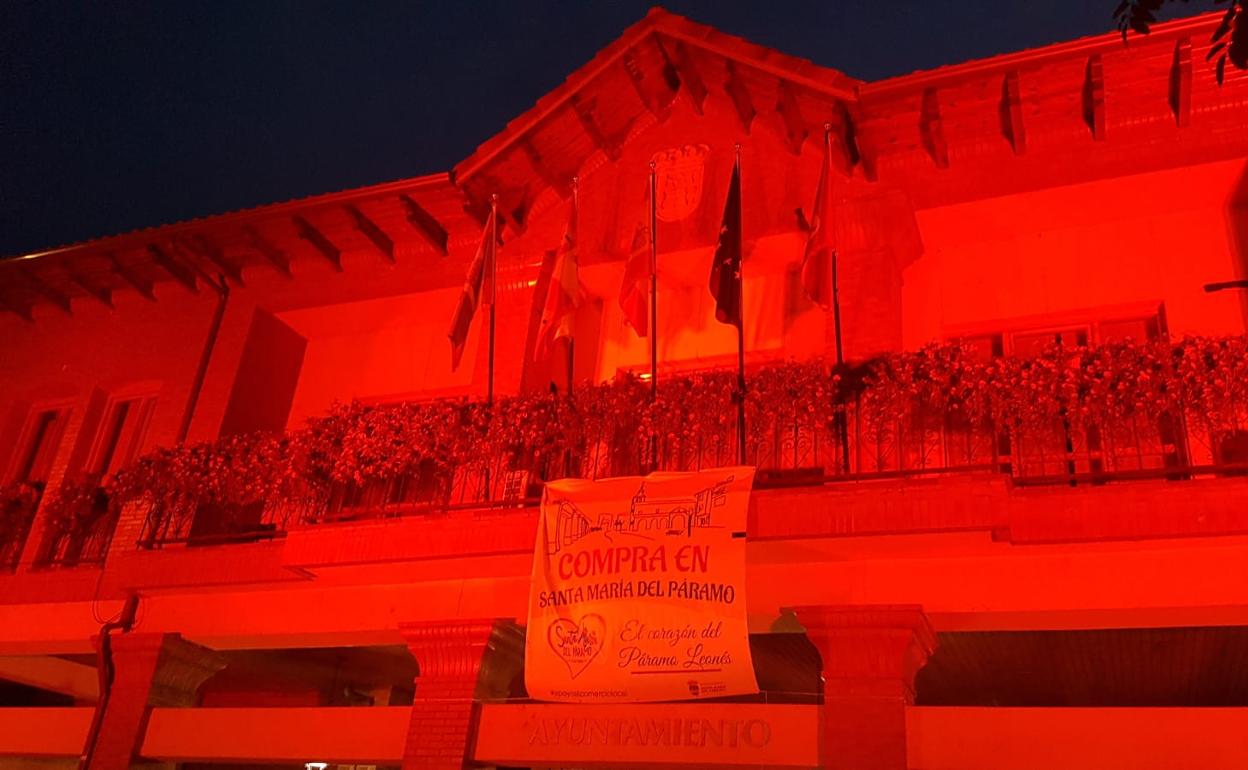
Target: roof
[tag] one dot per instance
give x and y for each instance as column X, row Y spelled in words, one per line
column 629, row 85
column 640, row 72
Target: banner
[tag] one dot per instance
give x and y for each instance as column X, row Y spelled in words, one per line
column 638, row 589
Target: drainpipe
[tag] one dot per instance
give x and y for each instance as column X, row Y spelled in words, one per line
column 104, row 667
column 223, row 295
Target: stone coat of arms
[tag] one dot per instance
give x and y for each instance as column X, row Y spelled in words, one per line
column 680, row 172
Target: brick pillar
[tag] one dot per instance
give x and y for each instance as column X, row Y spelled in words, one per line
column 448, row 655
column 870, row 658
column 150, row 670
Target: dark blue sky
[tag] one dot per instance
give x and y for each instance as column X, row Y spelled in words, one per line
column 117, row 115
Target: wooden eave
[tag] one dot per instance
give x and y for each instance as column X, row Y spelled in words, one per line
column 912, row 131
column 420, row 216
column 1199, row 27
column 595, row 107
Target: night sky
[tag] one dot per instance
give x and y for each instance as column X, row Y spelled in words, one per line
column 118, row 115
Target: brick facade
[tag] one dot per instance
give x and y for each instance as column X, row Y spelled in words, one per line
column 151, row 670
column 449, row 655
column 870, row 658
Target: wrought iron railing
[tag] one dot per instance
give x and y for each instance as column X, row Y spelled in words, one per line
column 18, row 503
column 1070, row 416
column 78, row 527
column 798, row 452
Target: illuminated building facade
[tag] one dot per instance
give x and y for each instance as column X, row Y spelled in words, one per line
column 1011, row 533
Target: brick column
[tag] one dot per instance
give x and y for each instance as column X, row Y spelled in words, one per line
column 448, row 655
column 150, row 670
column 870, row 658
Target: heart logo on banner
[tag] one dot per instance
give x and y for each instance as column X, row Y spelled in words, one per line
column 577, row 643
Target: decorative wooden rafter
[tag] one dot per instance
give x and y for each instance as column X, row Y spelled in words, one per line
column 476, row 192
column 1094, row 96
column 513, row 204
column 370, row 230
column 178, row 271
column 23, row 311
column 317, row 239
column 425, row 224
column 274, row 255
column 931, row 128
column 1181, row 82
column 52, row 295
column 739, row 92
column 547, row 174
column 656, row 97
column 585, row 109
column 678, row 58
column 1012, row 113
column 191, row 260
column 848, row 137
column 101, row 293
column 201, row 245
column 142, row 286
column 515, row 215
column 795, row 127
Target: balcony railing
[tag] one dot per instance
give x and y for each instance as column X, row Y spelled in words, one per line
column 1069, row 415
column 79, row 519
column 18, row 503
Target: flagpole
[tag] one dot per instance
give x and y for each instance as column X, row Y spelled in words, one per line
column 842, row 427
column 571, row 337
column 493, row 252
column 654, row 284
column 740, row 326
column 836, row 302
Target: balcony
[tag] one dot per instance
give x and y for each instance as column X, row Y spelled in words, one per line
column 1070, row 416
column 79, row 519
column 18, row 503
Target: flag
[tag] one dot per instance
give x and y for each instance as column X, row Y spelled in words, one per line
column 821, row 242
column 478, row 289
column 563, row 295
column 635, row 291
column 726, row 265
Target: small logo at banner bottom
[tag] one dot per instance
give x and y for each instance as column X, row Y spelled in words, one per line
column 577, row 643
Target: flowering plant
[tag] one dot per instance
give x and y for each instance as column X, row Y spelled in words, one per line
column 76, row 504
column 1067, row 387
column 17, row 505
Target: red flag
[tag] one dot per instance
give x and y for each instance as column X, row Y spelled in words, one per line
column 726, row 264
column 563, row 296
column 478, row 289
column 638, row 267
column 635, row 291
column 817, row 261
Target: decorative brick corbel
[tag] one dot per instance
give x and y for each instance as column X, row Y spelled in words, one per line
column 870, row 656
column 448, row 657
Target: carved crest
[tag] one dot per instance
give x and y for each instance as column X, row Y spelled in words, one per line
column 680, row 172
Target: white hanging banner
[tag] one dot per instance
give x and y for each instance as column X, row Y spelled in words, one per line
column 638, row 590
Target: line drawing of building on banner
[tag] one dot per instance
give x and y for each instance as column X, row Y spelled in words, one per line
column 646, row 517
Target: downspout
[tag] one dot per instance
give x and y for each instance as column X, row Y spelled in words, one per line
column 223, row 295
column 104, row 667
column 125, row 620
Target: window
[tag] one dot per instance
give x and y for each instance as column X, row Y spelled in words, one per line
column 121, row 434
column 1138, row 329
column 984, row 347
column 1029, row 337
column 43, row 438
column 1029, row 344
